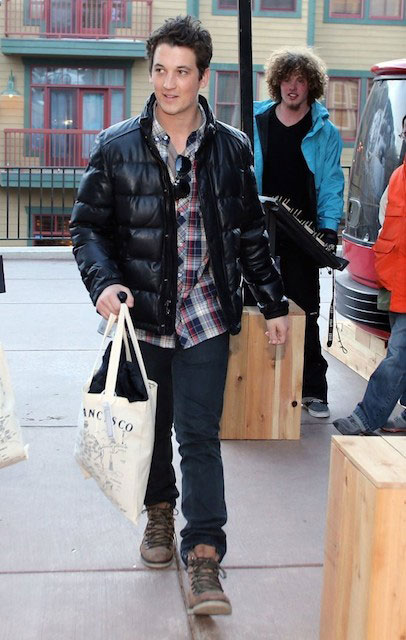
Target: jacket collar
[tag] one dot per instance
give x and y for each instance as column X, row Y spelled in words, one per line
column 318, row 110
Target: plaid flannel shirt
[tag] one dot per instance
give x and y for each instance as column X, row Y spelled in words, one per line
column 198, row 312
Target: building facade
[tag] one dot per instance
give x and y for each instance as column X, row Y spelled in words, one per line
column 69, row 68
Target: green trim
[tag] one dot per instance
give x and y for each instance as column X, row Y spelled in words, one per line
column 311, row 22
column 45, row 180
column 83, row 48
column 256, row 12
column 350, row 73
column 192, row 8
column 365, row 19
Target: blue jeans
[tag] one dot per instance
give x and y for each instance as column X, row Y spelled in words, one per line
column 190, row 393
column 388, row 382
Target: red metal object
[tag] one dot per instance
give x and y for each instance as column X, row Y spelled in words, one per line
column 48, row 147
column 107, row 19
column 391, row 67
column 361, row 267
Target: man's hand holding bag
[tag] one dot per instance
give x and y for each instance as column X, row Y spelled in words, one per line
column 115, row 438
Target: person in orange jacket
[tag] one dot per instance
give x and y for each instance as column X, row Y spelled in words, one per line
column 387, row 384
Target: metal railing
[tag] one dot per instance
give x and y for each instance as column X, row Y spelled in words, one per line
column 129, row 19
column 36, row 203
column 47, row 147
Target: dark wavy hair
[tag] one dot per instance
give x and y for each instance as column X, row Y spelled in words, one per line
column 183, row 31
column 301, row 60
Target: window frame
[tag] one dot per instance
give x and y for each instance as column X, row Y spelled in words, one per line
column 357, row 110
column 258, row 11
column 231, row 68
column 365, row 17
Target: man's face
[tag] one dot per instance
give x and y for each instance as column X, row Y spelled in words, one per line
column 294, row 91
column 175, row 78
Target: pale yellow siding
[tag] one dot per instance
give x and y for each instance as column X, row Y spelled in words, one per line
column 169, row 9
column 357, row 46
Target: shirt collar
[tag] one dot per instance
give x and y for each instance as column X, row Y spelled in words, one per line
column 160, row 136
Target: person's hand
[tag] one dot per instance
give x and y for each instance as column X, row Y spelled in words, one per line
column 277, row 329
column 330, row 237
column 108, row 302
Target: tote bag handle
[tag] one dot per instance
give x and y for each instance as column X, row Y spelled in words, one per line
column 124, row 319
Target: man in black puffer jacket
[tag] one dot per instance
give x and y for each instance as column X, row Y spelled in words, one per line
column 168, row 212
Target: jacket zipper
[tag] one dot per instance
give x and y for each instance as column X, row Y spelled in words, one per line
column 171, row 288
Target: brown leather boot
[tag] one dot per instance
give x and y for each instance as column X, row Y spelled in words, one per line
column 206, row 596
column 157, row 547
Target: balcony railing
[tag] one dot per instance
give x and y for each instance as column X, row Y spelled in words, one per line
column 129, row 19
column 47, row 147
column 36, row 203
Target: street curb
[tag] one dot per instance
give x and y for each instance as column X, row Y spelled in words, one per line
column 36, row 253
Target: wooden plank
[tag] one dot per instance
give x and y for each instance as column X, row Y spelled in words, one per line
column 264, row 382
column 262, row 401
column 398, row 443
column 346, row 571
column 364, row 351
column 364, row 588
column 376, row 459
column 232, row 424
column 290, row 392
column 387, row 588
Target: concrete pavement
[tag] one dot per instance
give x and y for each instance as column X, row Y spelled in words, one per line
column 70, row 568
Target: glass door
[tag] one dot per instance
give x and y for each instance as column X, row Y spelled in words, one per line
column 61, row 148
column 93, row 119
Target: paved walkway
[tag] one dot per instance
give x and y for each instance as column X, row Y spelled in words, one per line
column 70, row 568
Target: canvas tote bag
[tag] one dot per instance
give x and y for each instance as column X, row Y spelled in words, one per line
column 12, row 448
column 115, row 437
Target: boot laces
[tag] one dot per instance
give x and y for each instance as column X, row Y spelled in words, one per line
column 205, row 575
column 159, row 531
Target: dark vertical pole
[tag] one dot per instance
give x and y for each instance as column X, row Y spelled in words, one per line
column 245, row 49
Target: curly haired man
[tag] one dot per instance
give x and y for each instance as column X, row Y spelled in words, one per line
column 297, row 155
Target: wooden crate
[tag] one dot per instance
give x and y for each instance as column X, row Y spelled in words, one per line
column 364, row 591
column 364, row 351
column 264, row 382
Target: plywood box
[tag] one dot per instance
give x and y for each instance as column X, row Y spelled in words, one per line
column 364, row 590
column 359, row 350
column 264, row 382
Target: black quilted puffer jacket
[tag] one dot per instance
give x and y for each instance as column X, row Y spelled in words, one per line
column 123, row 222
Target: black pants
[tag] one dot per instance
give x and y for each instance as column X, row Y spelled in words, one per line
column 301, row 281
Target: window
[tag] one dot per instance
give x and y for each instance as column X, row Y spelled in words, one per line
column 385, row 9
column 77, row 103
column 51, row 229
column 346, row 7
column 343, row 105
column 278, row 5
column 227, row 4
column 367, row 10
column 227, row 95
column 259, row 7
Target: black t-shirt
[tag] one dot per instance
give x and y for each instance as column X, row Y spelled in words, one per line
column 285, row 170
